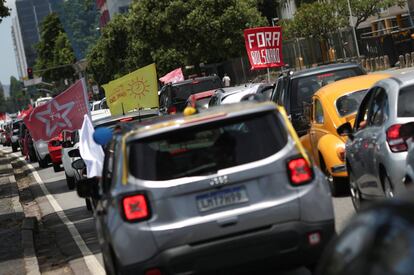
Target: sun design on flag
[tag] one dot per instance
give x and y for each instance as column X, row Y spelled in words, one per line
column 138, row 87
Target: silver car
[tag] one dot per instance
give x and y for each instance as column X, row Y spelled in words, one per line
column 407, row 131
column 376, row 151
column 218, row 190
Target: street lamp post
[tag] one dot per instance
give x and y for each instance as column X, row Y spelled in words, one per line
column 351, row 21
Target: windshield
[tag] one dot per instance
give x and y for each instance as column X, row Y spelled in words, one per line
column 205, row 149
column 304, row 88
column 348, row 104
column 406, row 102
column 197, row 87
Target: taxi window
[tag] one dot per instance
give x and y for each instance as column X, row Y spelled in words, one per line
column 348, row 104
column 318, row 116
column 207, row 148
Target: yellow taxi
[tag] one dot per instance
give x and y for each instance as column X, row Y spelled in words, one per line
column 331, row 106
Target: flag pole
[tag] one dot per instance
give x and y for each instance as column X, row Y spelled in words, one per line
column 85, row 95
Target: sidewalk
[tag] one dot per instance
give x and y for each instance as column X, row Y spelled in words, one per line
column 17, row 252
column 11, row 220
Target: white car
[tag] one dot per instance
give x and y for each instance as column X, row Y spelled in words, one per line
column 41, row 100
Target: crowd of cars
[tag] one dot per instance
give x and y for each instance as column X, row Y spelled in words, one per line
column 223, row 179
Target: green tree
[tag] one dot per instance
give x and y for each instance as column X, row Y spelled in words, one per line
column 53, row 51
column 4, row 10
column 363, row 9
column 172, row 34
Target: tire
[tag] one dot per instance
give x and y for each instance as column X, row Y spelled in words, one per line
column 356, row 197
column 43, row 162
column 56, row 167
column 32, row 156
column 70, row 182
column 109, row 265
column 88, row 204
column 387, row 186
column 14, row 148
column 334, row 185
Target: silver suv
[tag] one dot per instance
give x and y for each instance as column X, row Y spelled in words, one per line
column 213, row 191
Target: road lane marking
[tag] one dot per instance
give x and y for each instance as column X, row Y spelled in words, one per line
column 90, row 259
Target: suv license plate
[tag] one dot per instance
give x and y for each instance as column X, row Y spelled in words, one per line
column 222, row 198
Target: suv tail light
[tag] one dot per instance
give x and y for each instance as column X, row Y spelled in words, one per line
column 299, row 171
column 394, row 139
column 172, row 110
column 135, row 208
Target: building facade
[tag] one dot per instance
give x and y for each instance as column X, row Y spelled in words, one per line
column 108, row 9
column 18, row 48
column 30, row 14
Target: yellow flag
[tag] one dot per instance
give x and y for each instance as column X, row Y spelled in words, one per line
column 136, row 90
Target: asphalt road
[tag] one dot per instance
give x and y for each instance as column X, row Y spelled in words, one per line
column 71, row 224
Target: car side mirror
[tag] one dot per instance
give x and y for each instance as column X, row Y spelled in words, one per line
column 55, row 143
column 78, row 164
column 345, row 130
column 67, row 144
column 74, row 153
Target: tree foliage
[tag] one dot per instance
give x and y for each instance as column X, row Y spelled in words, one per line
column 172, row 34
column 319, row 18
column 80, row 20
column 363, row 9
column 4, row 10
column 53, row 51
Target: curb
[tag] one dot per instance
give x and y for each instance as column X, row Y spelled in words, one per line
column 29, row 225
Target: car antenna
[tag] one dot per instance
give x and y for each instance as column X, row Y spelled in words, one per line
column 139, row 114
column 123, row 111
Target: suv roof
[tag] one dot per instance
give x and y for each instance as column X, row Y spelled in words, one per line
column 110, row 120
column 166, row 123
column 199, row 79
column 324, row 68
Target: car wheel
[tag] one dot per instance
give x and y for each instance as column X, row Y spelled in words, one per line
column 43, row 162
column 356, row 197
column 88, row 204
column 32, row 156
column 109, row 265
column 56, row 167
column 333, row 184
column 14, row 147
column 70, row 182
column 388, row 188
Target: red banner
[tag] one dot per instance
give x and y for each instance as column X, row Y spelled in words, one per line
column 64, row 112
column 264, row 47
column 173, row 76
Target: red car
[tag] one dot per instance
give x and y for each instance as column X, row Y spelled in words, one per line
column 200, row 100
column 55, row 152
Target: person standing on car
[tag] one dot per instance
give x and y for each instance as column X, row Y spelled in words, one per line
column 226, row 80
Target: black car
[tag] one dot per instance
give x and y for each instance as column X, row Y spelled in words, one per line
column 294, row 90
column 173, row 97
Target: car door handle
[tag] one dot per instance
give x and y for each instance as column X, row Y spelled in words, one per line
column 228, row 221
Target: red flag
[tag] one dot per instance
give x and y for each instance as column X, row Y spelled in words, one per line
column 264, row 47
column 64, row 112
column 172, row 77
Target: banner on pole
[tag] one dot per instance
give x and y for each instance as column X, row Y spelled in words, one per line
column 264, row 47
column 136, row 90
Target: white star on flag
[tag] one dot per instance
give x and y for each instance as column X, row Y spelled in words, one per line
column 55, row 118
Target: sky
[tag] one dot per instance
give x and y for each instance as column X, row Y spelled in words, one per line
column 7, row 59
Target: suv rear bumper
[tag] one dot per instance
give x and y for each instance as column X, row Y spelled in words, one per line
column 277, row 246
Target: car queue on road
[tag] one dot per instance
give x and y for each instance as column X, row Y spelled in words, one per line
column 232, row 187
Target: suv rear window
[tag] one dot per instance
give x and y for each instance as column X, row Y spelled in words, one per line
column 207, row 148
column 406, row 102
column 304, row 88
column 197, row 86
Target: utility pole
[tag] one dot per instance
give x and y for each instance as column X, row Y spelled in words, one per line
column 351, row 21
